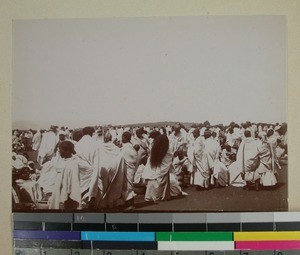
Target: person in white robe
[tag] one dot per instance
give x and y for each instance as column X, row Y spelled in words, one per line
column 212, row 150
column 18, row 161
column 87, row 150
column 36, row 140
column 235, row 175
column 199, row 166
column 143, row 143
column 268, row 164
column 130, row 156
column 181, row 165
column 272, row 138
column 47, row 146
column 159, row 172
column 178, row 139
column 48, row 176
column 248, row 160
column 111, row 166
column 66, row 191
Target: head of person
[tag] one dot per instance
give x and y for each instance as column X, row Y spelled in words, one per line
column 136, row 147
column 88, row 131
column 62, row 137
column 196, row 133
column 163, row 131
column 228, row 148
column 207, row 134
column 232, row 157
column 154, row 134
column 24, row 173
column 214, row 134
column 100, row 132
column 247, row 133
column 77, row 135
column 177, row 128
column 270, row 132
column 126, row 137
column 139, row 133
column 107, row 137
column 53, row 129
column 66, row 149
column 180, row 154
column 159, row 150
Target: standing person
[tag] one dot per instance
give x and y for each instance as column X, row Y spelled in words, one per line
column 47, row 147
column 212, row 151
column 87, row 150
column 248, row 160
column 111, row 173
column 178, row 139
column 199, row 167
column 66, row 193
column 36, row 140
column 130, row 156
column 268, row 164
column 159, row 171
column 139, row 139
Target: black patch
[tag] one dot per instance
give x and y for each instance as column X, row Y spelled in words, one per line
column 259, row 226
column 88, row 227
column 155, row 227
column 287, row 226
column 121, row 227
column 223, row 227
column 182, row 227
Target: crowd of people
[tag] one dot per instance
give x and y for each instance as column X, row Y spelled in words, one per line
column 103, row 168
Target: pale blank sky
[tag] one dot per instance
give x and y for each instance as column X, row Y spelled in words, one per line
column 128, row 70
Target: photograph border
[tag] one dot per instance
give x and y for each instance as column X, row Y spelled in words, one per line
column 118, row 8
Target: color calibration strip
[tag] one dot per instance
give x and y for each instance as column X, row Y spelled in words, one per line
column 161, row 233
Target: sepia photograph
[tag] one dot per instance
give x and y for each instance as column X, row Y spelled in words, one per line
column 158, row 114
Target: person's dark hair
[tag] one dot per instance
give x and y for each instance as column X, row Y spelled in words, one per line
column 196, row 132
column 164, row 130
column 270, row 132
column 154, row 134
column 88, row 131
column 232, row 157
column 207, row 134
column 77, row 135
column 107, row 137
column 139, row 132
column 67, row 146
column 126, row 137
column 214, row 134
column 247, row 133
column 159, row 150
column 228, row 148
